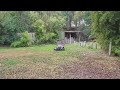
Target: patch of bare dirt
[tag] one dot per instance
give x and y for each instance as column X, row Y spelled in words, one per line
column 21, row 53
column 30, row 71
column 14, row 54
column 92, row 66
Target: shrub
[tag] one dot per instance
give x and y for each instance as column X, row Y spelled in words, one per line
column 106, row 27
column 48, row 38
column 24, row 41
column 16, row 44
column 116, row 50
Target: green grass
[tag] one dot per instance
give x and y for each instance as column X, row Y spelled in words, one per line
column 44, row 54
column 43, row 47
column 59, row 57
column 42, row 60
column 9, row 62
column 48, row 48
column 70, row 49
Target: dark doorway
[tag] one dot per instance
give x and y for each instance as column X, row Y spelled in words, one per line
column 73, row 34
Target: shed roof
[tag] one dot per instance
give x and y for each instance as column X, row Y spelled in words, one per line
column 72, row 31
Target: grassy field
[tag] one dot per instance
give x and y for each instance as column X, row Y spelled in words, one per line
column 43, row 62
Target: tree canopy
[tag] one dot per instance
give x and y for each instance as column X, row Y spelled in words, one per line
column 106, row 27
column 103, row 25
column 45, row 23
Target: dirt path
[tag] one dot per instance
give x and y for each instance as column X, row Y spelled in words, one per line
column 94, row 66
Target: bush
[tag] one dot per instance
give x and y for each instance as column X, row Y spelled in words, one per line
column 39, row 31
column 48, row 38
column 105, row 27
column 116, row 50
column 16, row 44
column 24, row 41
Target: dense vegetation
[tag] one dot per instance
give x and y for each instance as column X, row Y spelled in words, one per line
column 106, row 27
column 103, row 25
column 45, row 24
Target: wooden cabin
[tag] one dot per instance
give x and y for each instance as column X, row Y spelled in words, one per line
column 71, row 35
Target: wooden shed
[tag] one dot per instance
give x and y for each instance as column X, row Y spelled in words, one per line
column 71, row 35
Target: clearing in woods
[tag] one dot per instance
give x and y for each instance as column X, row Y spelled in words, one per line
column 41, row 62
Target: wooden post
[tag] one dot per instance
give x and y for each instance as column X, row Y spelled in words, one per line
column 110, row 47
column 80, row 43
column 70, row 38
column 84, row 43
column 92, row 45
column 79, row 37
column 74, row 40
column 96, row 46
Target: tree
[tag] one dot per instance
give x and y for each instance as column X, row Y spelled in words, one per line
column 106, row 27
column 47, row 23
column 12, row 22
column 87, row 23
column 52, row 21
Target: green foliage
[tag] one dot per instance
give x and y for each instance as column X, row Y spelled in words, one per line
column 12, row 22
column 7, row 28
column 106, row 27
column 116, row 50
column 16, row 44
column 45, row 24
column 87, row 21
column 47, row 27
column 39, row 30
column 24, row 41
column 53, row 28
column 81, row 20
column 49, row 38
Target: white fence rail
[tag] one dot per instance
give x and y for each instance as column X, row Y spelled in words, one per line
column 92, row 45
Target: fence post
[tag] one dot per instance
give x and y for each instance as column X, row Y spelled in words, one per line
column 110, row 47
column 74, row 42
column 94, row 45
column 81, row 43
column 84, row 43
column 70, row 38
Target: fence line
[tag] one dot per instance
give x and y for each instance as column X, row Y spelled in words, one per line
column 81, row 43
column 92, row 45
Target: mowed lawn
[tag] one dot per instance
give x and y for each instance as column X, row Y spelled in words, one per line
column 42, row 62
